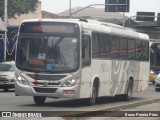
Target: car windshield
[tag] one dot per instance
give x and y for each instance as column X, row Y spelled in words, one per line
column 6, row 67
column 48, row 54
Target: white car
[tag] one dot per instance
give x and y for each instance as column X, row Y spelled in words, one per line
column 157, row 83
column 7, row 75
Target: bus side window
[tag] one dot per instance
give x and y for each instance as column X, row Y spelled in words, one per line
column 86, row 55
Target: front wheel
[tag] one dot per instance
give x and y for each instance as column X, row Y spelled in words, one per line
column 39, row 100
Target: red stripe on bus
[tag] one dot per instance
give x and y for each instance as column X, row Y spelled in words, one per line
column 35, row 79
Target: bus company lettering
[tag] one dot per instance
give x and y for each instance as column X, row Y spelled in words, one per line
column 119, row 73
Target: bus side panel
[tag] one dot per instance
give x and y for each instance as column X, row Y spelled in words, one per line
column 101, row 70
column 133, row 73
column 119, row 77
column 85, row 87
column 122, row 71
column 139, row 71
column 113, row 77
column 144, row 75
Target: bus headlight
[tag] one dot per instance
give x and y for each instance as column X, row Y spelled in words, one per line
column 71, row 82
column 21, row 80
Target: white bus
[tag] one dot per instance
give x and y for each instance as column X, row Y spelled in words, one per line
column 76, row 58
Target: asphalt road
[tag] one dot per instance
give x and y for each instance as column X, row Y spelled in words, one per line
column 10, row 102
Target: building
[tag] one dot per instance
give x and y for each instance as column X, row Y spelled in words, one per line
column 46, row 14
column 151, row 28
column 94, row 13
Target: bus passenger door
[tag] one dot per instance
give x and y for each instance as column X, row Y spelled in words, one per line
column 86, row 69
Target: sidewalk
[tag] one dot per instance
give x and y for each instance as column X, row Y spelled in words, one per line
column 148, row 107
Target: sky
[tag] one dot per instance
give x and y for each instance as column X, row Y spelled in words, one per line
column 57, row 6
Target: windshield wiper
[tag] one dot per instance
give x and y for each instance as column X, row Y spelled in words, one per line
column 58, row 41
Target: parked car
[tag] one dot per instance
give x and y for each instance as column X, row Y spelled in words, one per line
column 7, row 75
column 157, row 83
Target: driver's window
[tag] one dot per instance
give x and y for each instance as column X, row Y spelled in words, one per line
column 86, row 53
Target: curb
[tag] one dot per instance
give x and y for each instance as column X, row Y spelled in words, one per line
column 95, row 112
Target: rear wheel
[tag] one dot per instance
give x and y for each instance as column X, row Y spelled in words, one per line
column 39, row 100
column 128, row 95
column 93, row 97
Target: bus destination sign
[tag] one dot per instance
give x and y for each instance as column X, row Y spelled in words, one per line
column 39, row 27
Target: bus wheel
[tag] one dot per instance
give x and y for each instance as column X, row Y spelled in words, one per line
column 128, row 96
column 93, row 97
column 39, row 100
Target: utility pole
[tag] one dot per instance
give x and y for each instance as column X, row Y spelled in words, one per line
column 69, row 8
column 5, row 22
column 123, row 24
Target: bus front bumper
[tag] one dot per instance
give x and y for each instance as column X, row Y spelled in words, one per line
column 46, row 91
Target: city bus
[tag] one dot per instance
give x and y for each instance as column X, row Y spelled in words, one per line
column 80, row 59
column 154, row 59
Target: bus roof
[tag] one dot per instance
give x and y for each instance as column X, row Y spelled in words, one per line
column 99, row 26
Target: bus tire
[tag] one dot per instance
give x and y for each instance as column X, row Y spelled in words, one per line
column 39, row 100
column 93, row 97
column 128, row 95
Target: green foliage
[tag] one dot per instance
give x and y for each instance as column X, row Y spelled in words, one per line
column 18, row 7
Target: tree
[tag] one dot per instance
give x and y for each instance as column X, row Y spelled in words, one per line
column 18, row 7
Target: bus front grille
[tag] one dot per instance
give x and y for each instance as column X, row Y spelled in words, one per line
column 46, row 77
column 45, row 90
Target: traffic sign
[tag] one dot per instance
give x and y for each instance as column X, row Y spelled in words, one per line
column 145, row 16
column 116, row 5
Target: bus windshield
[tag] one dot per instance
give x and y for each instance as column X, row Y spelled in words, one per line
column 48, row 53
